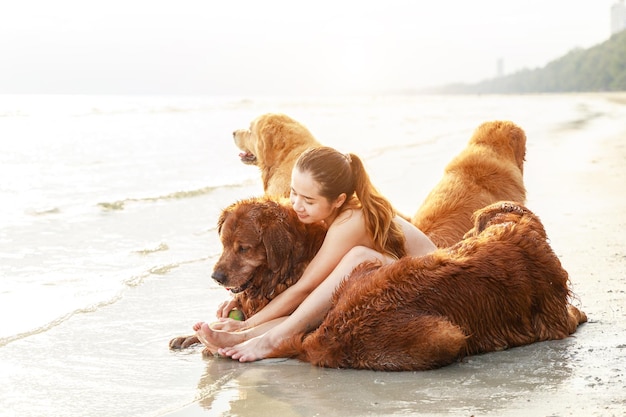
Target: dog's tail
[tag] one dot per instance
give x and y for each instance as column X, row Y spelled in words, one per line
column 291, row 348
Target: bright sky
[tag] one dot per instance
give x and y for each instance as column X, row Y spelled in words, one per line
column 282, row 47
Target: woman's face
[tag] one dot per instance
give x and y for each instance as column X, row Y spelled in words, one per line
column 307, row 202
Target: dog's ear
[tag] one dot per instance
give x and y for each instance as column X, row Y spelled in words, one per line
column 269, row 130
column 220, row 222
column 501, row 212
column 223, row 216
column 277, row 238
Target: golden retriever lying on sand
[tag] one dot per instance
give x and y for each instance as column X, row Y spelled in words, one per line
column 500, row 287
column 273, row 143
column 488, row 170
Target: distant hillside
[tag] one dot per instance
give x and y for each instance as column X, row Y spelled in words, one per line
column 599, row 68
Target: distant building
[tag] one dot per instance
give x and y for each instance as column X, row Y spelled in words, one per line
column 500, row 68
column 618, row 17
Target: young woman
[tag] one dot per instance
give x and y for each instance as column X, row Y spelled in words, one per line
column 334, row 189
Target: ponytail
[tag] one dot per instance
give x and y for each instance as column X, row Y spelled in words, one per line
column 378, row 212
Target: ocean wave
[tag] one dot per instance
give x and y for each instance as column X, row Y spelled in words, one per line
column 133, row 281
column 113, row 106
column 161, row 269
column 585, row 113
column 176, row 195
column 580, row 122
column 158, row 248
column 89, row 309
column 14, row 113
column 138, row 109
column 43, row 211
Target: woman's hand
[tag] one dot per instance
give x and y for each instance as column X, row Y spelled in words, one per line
column 228, row 325
column 225, row 307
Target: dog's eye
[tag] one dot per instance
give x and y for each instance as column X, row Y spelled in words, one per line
column 243, row 249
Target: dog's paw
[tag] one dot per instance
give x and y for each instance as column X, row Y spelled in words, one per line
column 208, row 352
column 183, row 342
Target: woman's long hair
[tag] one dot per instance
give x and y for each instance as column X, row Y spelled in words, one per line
column 344, row 173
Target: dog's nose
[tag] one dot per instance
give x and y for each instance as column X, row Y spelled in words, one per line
column 219, row 277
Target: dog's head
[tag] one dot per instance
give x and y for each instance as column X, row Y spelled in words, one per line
column 502, row 213
column 246, row 141
column 260, row 239
column 505, row 137
column 269, row 136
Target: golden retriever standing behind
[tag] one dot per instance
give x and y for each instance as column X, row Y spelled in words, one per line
column 273, row 143
column 488, row 170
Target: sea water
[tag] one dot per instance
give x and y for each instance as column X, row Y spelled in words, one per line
column 108, row 210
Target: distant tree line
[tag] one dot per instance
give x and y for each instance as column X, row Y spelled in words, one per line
column 599, row 68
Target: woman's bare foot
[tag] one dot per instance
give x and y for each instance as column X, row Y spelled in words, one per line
column 255, row 349
column 228, row 325
column 216, row 338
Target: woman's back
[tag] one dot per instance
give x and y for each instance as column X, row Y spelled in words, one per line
column 417, row 243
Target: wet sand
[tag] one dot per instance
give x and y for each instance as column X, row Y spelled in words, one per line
column 578, row 190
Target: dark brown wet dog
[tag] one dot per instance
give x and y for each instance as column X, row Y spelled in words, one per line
column 502, row 286
column 265, row 251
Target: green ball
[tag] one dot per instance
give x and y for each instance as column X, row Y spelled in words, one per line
column 236, row 315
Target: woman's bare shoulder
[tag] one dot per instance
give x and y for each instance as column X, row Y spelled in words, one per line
column 351, row 217
column 349, row 227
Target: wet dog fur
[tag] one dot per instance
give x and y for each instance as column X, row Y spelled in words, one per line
column 502, row 286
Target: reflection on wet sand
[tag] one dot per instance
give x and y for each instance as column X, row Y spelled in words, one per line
column 480, row 384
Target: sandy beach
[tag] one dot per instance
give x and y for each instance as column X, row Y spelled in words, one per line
column 108, row 238
column 577, row 189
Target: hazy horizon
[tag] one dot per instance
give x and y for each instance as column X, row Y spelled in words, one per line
column 278, row 47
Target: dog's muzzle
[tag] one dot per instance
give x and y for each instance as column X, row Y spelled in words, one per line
column 221, row 278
